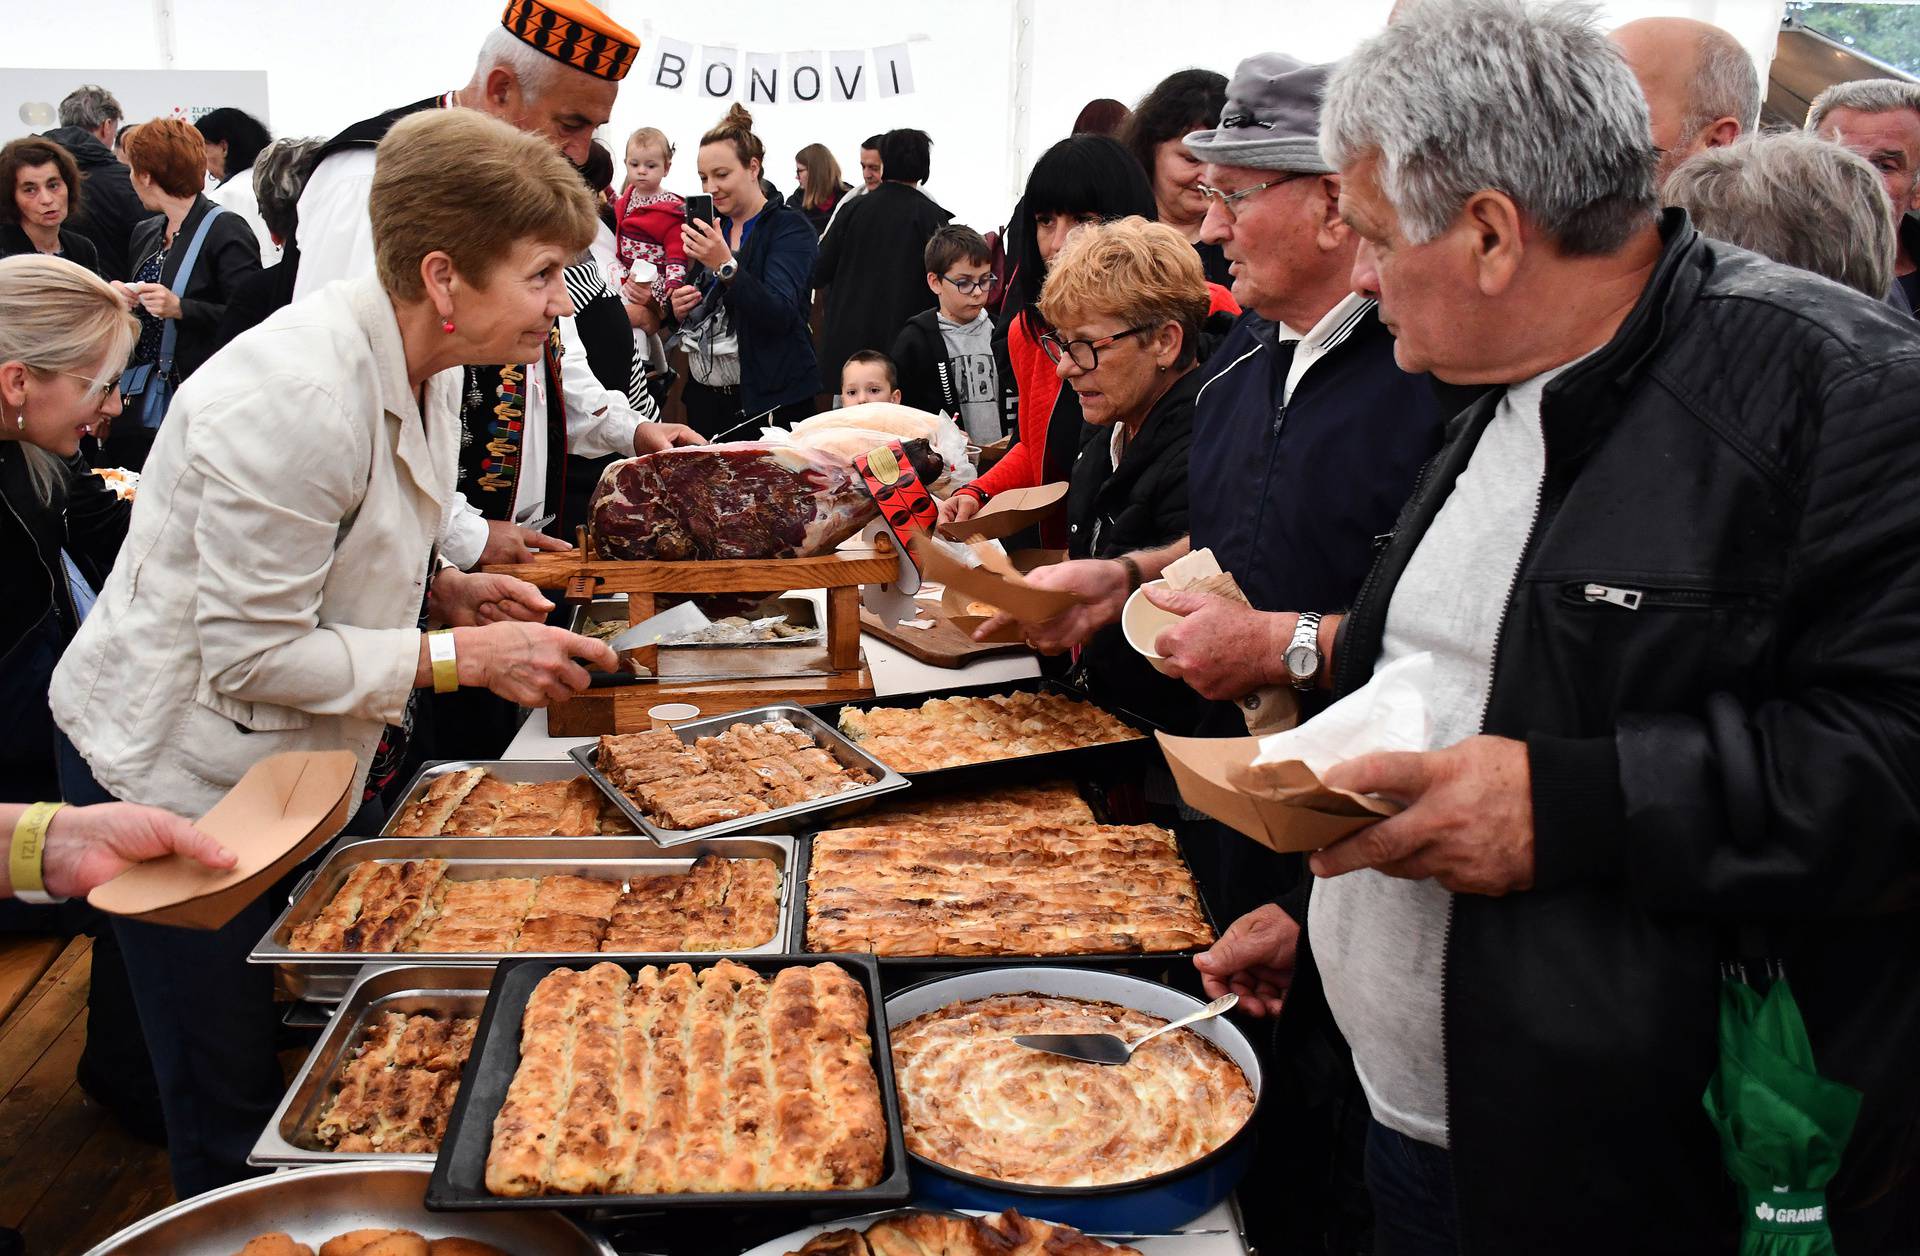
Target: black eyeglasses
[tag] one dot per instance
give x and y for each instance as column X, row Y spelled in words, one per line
column 986, row 283
column 1086, row 353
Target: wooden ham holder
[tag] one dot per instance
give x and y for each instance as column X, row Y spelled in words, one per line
column 581, row 577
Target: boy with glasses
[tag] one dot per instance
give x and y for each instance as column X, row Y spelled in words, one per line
column 946, row 354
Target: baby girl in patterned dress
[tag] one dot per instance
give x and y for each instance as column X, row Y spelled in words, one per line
column 649, row 221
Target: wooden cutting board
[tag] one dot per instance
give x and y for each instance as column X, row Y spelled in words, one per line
column 942, row 645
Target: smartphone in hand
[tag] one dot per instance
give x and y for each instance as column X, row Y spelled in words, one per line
column 700, row 207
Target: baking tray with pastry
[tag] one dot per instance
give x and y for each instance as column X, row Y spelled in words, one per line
column 341, row 1208
column 710, row 777
column 505, row 798
column 623, row 1086
column 924, row 1229
column 467, row 901
column 989, row 734
column 990, row 1124
column 1036, row 879
column 380, row 1082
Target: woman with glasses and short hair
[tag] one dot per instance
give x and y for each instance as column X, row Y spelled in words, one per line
column 1083, row 179
column 1126, row 301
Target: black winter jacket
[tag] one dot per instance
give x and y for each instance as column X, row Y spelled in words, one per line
column 768, row 302
column 229, row 256
column 109, row 207
column 1737, row 750
column 930, row 379
column 74, row 246
column 873, row 267
column 1140, row 504
column 37, row 617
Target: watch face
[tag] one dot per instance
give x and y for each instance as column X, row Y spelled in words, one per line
column 1302, row 661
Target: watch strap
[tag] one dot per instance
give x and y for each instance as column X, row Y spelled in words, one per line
column 1134, row 578
column 1306, row 635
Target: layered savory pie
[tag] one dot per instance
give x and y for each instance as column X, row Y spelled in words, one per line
column 971, row 889
column 395, row 1091
column 953, row 732
column 675, row 1081
column 718, row 904
column 974, row 1100
column 952, row 1234
column 1055, row 802
column 474, row 803
column 746, row 770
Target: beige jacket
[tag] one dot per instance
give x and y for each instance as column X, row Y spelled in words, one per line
column 268, row 595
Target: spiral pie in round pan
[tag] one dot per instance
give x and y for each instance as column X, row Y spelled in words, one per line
column 972, row 1099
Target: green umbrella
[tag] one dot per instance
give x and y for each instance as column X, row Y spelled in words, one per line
column 1782, row 1125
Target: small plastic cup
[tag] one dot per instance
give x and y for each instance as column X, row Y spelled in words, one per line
column 667, row 714
column 1141, row 623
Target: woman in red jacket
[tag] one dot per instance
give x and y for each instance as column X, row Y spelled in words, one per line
column 1087, row 178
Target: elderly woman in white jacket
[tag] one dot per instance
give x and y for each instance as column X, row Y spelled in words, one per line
column 270, row 592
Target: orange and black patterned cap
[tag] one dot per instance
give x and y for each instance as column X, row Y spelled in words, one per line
column 575, row 32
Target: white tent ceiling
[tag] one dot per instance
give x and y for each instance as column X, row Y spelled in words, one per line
column 995, row 81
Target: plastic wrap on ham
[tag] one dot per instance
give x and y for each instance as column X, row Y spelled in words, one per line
column 745, row 500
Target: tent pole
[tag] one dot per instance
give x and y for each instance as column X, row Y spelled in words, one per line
column 1017, row 122
column 163, row 32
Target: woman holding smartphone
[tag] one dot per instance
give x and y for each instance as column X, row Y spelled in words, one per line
column 744, row 323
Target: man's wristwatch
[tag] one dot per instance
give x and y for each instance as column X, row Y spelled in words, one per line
column 1303, row 652
column 728, row 269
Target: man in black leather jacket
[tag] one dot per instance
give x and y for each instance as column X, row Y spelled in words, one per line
column 1671, row 563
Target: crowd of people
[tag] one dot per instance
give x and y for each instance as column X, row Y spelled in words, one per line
column 1504, row 341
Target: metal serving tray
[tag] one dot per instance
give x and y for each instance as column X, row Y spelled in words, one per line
column 315, row 1204
column 459, row 1175
column 800, row 613
column 826, row 737
column 513, row 771
column 1075, row 764
column 895, row 964
column 405, row 988
column 323, row 976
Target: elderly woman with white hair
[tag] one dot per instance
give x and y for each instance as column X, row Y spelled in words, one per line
column 279, row 577
column 1662, row 584
column 1795, row 198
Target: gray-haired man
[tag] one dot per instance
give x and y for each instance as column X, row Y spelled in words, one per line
column 1667, row 574
column 1880, row 120
column 90, row 117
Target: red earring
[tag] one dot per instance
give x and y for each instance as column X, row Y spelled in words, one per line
column 446, row 325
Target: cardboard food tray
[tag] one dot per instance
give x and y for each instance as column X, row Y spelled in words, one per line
column 828, row 738
column 405, row 988
column 285, row 808
column 800, row 612
column 324, row 976
column 513, row 771
column 1282, row 806
column 894, row 964
column 459, row 1174
column 1076, row 764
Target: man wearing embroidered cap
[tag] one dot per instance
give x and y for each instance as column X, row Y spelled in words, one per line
column 551, row 68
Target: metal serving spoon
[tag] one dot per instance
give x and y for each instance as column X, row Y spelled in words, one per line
column 1112, row 1048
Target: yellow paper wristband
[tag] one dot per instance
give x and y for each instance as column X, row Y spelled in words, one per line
column 28, row 851
column 446, row 667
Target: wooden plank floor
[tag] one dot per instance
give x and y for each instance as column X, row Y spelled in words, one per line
column 69, row 1176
